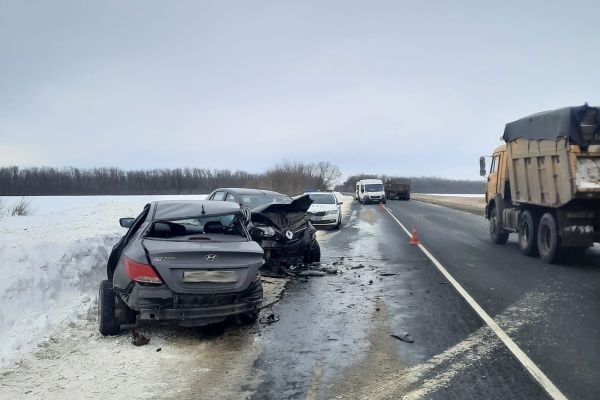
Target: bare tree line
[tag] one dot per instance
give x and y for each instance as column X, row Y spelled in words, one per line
column 422, row 184
column 287, row 177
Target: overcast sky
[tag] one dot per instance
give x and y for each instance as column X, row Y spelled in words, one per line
column 403, row 88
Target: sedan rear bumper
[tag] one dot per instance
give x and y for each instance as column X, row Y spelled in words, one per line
column 161, row 304
column 182, row 314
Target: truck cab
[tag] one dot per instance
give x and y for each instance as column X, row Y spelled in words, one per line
column 497, row 176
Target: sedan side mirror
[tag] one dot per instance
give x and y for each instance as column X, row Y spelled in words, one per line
column 482, row 166
column 256, row 234
column 126, row 222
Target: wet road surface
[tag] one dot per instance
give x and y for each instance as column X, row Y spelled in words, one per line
column 333, row 338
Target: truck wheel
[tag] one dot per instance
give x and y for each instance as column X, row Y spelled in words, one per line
column 107, row 319
column 498, row 235
column 548, row 239
column 527, row 234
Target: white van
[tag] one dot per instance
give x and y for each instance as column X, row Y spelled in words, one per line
column 370, row 191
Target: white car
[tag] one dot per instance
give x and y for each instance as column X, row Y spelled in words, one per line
column 370, row 191
column 325, row 210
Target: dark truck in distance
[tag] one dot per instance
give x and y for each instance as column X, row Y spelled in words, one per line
column 397, row 189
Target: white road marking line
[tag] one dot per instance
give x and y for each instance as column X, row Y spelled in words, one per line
column 533, row 369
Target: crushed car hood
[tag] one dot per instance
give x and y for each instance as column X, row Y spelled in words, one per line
column 283, row 215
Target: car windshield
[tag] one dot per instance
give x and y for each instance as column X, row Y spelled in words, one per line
column 199, row 227
column 256, row 200
column 374, row 187
column 322, row 198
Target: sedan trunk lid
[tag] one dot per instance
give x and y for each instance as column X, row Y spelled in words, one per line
column 201, row 268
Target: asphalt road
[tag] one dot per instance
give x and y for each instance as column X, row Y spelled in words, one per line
column 561, row 332
column 333, row 337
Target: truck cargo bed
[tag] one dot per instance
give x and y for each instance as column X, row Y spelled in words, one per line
column 551, row 173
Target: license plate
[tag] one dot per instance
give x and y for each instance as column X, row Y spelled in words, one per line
column 210, row 276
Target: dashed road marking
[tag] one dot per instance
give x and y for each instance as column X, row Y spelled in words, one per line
column 533, row 369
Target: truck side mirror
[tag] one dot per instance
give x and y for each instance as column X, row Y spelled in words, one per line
column 482, row 166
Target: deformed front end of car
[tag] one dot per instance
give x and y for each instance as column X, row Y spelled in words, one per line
column 285, row 233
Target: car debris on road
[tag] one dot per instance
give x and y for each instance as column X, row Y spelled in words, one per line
column 403, row 336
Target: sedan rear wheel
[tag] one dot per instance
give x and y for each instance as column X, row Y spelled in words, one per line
column 107, row 319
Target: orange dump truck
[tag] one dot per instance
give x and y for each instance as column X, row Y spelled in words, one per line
column 544, row 183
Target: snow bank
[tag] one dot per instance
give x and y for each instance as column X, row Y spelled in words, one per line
column 52, row 262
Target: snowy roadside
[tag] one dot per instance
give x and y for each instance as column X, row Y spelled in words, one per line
column 51, row 263
column 79, row 363
column 474, row 204
column 50, row 347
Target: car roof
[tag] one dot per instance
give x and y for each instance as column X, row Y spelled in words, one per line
column 249, row 191
column 171, row 209
column 371, row 181
column 309, row 193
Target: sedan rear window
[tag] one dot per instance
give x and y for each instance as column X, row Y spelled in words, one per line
column 202, row 227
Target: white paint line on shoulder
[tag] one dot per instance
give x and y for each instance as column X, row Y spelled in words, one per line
column 533, row 369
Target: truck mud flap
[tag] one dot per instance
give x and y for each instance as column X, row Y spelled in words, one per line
column 576, row 228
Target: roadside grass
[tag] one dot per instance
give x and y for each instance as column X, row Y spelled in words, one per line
column 20, row 208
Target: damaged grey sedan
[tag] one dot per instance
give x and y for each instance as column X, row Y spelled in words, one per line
column 279, row 224
column 189, row 262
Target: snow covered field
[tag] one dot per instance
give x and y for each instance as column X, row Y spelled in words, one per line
column 52, row 261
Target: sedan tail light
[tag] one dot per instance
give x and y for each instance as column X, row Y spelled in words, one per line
column 142, row 273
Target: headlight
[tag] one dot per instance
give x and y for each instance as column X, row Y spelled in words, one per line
column 267, row 230
column 332, row 212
